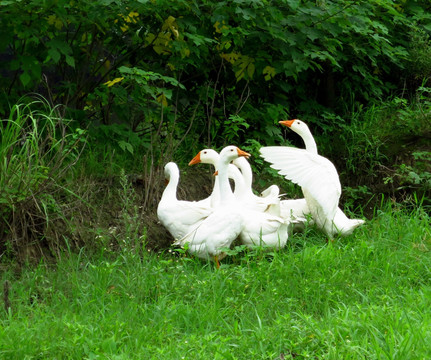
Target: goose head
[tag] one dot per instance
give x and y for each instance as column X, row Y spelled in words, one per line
column 296, row 125
column 230, row 153
column 302, row 130
column 206, row 156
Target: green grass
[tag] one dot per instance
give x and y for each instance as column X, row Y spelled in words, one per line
column 363, row 297
column 38, row 149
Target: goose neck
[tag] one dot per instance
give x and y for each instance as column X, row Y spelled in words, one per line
column 310, row 143
column 223, row 181
column 171, row 187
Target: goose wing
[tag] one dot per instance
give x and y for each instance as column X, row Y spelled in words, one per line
column 314, row 173
column 216, row 231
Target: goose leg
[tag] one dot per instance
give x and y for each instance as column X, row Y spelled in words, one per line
column 216, row 261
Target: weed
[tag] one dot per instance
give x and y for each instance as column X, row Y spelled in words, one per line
column 37, row 151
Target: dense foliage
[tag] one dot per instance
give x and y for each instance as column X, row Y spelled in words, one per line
column 202, row 68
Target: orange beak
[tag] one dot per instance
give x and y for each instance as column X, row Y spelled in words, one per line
column 196, row 159
column 216, row 173
column 287, row 123
column 243, row 153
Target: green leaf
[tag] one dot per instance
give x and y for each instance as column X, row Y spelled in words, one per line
column 250, row 70
column 293, row 4
column 427, row 26
column 25, row 78
column 268, row 72
column 167, row 93
column 312, row 33
column 60, row 45
column 55, row 55
column 125, row 146
column 70, row 61
column 239, row 74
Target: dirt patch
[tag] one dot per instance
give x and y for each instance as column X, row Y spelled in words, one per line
column 403, row 176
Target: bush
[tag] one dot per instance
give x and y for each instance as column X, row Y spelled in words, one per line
column 110, row 61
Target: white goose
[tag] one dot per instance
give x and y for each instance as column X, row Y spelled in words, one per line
column 293, row 210
column 268, row 198
column 179, row 217
column 343, row 224
column 210, row 156
column 241, row 173
column 260, row 228
column 296, row 210
column 318, row 178
column 225, row 223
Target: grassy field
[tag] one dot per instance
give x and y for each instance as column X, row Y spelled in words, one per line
column 367, row 296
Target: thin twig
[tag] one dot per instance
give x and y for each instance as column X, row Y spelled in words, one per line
column 189, row 127
column 242, row 102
